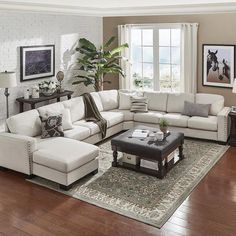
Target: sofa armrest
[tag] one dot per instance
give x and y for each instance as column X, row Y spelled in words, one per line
column 223, row 124
column 16, row 152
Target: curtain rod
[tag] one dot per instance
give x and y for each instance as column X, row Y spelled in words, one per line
column 161, row 24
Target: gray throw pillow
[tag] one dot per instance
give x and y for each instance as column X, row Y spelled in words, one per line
column 194, row 109
column 52, row 126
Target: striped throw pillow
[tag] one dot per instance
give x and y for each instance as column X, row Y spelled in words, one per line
column 139, row 104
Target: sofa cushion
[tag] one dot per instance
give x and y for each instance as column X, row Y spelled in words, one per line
column 112, row 118
column 51, row 109
column 64, row 155
column 66, row 119
column 125, row 100
column 157, row 101
column 175, row 101
column 128, row 115
column 149, row 117
column 94, row 129
column 27, row 123
column 76, row 107
column 97, row 100
column 176, row 119
column 109, row 99
column 209, row 123
column 216, row 101
column 77, row 133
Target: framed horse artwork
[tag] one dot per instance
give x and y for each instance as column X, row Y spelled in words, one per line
column 218, row 65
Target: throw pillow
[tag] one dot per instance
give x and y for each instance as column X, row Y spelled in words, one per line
column 194, row 109
column 139, row 104
column 66, row 117
column 52, row 126
column 125, row 100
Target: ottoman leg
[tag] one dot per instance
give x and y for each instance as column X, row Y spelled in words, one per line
column 95, row 172
column 30, row 176
column 161, row 170
column 115, row 155
column 181, row 155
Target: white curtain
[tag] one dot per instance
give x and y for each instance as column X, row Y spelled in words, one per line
column 189, row 57
column 124, row 33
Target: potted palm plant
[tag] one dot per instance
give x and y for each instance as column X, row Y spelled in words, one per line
column 95, row 63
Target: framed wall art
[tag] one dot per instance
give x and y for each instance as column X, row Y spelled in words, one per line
column 218, row 65
column 37, row 62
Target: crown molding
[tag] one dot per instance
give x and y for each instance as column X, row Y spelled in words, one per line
column 119, row 11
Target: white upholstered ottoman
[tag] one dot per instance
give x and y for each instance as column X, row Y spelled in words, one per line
column 64, row 160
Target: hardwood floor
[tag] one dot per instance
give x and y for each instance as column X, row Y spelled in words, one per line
column 28, row 209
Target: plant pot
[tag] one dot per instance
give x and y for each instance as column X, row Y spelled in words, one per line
column 98, row 87
column 164, row 129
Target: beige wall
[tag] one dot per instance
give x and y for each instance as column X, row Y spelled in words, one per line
column 213, row 29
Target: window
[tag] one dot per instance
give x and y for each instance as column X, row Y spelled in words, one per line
column 156, row 58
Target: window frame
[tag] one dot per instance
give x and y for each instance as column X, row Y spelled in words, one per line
column 156, row 46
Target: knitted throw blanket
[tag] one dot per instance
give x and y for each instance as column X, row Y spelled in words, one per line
column 92, row 114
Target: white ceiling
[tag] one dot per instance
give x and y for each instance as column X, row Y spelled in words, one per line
column 121, row 7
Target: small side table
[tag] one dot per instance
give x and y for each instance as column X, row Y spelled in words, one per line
column 232, row 139
column 34, row 101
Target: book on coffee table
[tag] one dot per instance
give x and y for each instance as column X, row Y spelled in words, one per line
column 140, row 133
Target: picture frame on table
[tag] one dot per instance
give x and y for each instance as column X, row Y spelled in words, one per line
column 218, row 65
column 37, row 62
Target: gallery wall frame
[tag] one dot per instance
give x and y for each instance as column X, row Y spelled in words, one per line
column 37, row 62
column 218, row 65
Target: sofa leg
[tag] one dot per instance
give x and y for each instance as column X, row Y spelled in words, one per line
column 65, row 188
column 95, row 172
column 222, row 143
column 3, row 168
column 30, row 176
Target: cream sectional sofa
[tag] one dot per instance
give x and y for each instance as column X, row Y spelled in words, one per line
column 66, row 159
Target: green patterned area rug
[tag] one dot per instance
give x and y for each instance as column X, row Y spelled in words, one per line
column 142, row 197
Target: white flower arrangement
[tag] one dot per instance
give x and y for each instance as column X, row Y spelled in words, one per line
column 48, row 87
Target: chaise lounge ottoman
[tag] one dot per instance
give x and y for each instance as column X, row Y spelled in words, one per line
column 64, row 160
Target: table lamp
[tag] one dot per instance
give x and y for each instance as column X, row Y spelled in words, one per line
column 234, row 86
column 233, row 108
column 7, row 80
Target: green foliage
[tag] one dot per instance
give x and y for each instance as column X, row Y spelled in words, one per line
column 141, row 82
column 163, row 123
column 95, row 63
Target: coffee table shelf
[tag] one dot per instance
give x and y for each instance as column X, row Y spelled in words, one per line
column 152, row 152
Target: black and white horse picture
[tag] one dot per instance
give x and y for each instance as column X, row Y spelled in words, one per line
column 218, row 65
column 221, row 68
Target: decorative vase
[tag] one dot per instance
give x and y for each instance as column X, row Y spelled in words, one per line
column 35, row 92
column 26, row 93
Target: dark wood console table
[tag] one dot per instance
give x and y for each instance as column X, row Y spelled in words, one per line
column 232, row 139
column 34, row 101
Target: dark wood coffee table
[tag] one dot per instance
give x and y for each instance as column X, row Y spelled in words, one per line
column 157, row 151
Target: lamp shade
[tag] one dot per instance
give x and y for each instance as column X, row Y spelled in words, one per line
column 7, row 79
column 234, row 86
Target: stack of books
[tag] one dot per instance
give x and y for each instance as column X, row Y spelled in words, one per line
column 140, row 133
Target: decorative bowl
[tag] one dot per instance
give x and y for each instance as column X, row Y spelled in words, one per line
column 48, row 92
